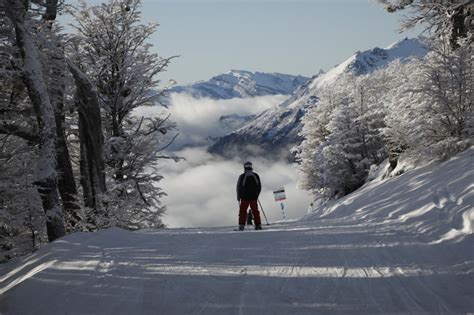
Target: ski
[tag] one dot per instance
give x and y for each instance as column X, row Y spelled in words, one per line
column 238, row 230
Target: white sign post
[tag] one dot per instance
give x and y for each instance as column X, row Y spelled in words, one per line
column 279, row 195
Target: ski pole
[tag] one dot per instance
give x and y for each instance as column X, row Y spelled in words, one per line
column 263, row 211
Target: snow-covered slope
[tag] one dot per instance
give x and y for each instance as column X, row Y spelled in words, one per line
column 370, row 60
column 277, row 129
column 243, row 84
column 396, row 246
column 436, row 201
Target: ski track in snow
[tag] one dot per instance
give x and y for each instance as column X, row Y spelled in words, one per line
column 368, row 255
column 325, row 267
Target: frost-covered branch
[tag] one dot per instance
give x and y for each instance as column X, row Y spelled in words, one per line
column 451, row 20
column 114, row 52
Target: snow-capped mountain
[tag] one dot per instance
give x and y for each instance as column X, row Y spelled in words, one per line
column 277, row 129
column 225, row 103
column 368, row 61
column 243, row 84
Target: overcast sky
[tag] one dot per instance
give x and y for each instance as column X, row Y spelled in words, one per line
column 287, row 36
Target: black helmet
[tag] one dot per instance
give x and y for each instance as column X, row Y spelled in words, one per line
column 248, row 166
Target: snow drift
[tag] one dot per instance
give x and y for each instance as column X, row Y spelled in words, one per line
column 435, row 201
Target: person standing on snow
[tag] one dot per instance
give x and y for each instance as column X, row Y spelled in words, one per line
column 249, row 187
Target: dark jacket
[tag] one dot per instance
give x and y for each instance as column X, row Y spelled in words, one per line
column 249, row 186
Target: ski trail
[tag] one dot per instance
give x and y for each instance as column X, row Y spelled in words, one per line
column 323, row 267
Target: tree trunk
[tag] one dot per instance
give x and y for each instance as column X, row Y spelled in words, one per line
column 91, row 138
column 51, row 10
column 462, row 23
column 67, row 183
column 34, row 80
column 86, row 180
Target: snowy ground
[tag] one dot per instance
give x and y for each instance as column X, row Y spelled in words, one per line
column 403, row 245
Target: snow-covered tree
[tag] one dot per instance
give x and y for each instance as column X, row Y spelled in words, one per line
column 450, row 19
column 422, row 107
column 35, row 81
column 134, row 199
column 114, row 53
column 430, row 104
column 315, row 132
column 342, row 136
column 22, row 221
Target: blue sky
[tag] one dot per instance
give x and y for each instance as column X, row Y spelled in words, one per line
column 287, row 36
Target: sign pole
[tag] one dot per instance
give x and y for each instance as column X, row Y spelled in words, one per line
column 283, row 210
column 280, row 195
column 263, row 211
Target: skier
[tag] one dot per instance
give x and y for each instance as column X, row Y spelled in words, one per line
column 248, row 190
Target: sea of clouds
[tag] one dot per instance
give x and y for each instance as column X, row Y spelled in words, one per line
column 201, row 188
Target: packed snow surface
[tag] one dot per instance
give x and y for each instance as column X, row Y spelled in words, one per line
column 397, row 245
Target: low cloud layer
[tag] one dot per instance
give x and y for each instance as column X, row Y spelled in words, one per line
column 198, row 119
column 201, row 190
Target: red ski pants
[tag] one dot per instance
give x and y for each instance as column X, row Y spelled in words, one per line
column 244, row 205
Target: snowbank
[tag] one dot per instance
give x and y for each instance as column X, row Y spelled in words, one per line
column 436, row 200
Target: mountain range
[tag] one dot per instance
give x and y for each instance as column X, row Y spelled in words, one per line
column 242, row 84
column 276, row 130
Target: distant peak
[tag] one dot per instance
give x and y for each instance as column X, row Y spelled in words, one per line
column 239, row 71
column 364, row 62
column 242, row 84
column 405, row 41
